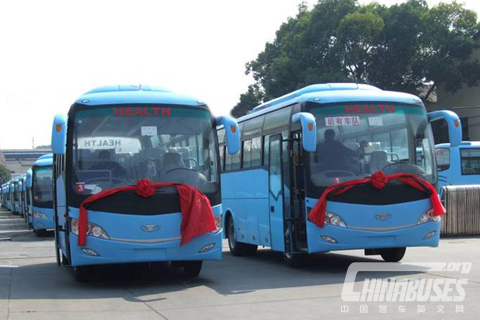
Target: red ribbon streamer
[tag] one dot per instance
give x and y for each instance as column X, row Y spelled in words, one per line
column 379, row 180
column 197, row 214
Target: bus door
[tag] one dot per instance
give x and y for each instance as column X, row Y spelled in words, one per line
column 276, row 198
column 298, row 222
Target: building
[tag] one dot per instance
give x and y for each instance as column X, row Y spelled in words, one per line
column 466, row 103
column 18, row 161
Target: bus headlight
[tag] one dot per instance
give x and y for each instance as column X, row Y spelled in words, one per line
column 218, row 222
column 39, row 215
column 93, row 230
column 427, row 216
column 334, row 220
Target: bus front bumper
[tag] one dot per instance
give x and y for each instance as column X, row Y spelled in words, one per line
column 101, row 251
column 332, row 238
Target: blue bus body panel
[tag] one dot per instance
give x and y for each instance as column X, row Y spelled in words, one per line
column 129, row 243
column 248, row 203
column 40, row 223
column 398, row 231
column 453, row 175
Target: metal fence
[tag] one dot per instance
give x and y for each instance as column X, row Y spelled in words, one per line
column 463, row 211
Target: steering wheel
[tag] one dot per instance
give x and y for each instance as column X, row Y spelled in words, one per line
column 98, row 179
column 179, row 168
column 338, row 173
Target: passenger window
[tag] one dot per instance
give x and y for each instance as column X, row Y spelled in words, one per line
column 266, row 148
column 277, row 119
column 443, row 159
column 253, row 126
column 221, row 151
column 470, row 161
column 235, row 162
column 247, row 150
column 228, row 162
column 221, row 136
column 256, row 151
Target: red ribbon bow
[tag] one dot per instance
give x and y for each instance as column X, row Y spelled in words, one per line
column 378, row 180
column 197, row 214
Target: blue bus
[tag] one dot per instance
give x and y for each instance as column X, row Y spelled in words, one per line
column 16, row 195
column 459, row 165
column 330, row 144
column 28, row 197
column 7, row 196
column 42, row 195
column 4, row 195
column 119, row 140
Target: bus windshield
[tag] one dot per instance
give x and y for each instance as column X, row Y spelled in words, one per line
column 356, row 140
column 42, row 183
column 118, row 145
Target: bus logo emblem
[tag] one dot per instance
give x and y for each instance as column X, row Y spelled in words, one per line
column 150, row 227
column 383, row 216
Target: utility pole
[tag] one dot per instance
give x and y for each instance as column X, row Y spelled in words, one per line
column 33, row 142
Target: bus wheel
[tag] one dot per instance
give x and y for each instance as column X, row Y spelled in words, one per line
column 393, row 254
column 189, row 268
column 293, row 260
column 249, row 249
column 82, row 273
column 65, row 261
column 236, row 248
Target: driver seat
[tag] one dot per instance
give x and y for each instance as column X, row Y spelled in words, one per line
column 378, row 160
column 172, row 160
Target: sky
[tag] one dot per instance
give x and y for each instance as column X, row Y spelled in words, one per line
column 53, row 51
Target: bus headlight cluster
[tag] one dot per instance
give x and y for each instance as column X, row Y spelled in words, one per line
column 428, row 216
column 39, row 215
column 218, row 222
column 93, row 230
column 334, row 220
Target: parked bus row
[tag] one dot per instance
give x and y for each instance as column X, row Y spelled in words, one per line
column 141, row 174
column 30, row 195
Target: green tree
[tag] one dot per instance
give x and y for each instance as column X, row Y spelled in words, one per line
column 4, row 174
column 251, row 98
column 395, row 48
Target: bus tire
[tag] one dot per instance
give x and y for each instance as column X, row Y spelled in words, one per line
column 82, row 273
column 236, row 248
column 249, row 249
column 393, row 254
column 189, row 268
column 65, row 261
column 293, row 260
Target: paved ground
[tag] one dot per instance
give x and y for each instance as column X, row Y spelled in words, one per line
column 260, row 287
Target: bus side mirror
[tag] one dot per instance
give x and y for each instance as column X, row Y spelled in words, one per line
column 59, row 134
column 453, row 122
column 232, row 134
column 309, row 130
column 29, row 178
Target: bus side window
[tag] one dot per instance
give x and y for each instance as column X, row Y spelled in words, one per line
column 228, row 162
column 256, row 151
column 247, row 152
column 221, row 151
column 235, row 161
column 470, row 159
column 266, row 149
column 443, row 159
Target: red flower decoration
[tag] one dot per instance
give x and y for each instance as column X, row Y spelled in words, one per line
column 145, row 188
column 379, row 180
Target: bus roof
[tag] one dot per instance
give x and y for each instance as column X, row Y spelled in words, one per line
column 44, row 162
column 46, row 156
column 465, row 144
column 331, row 93
column 126, row 94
